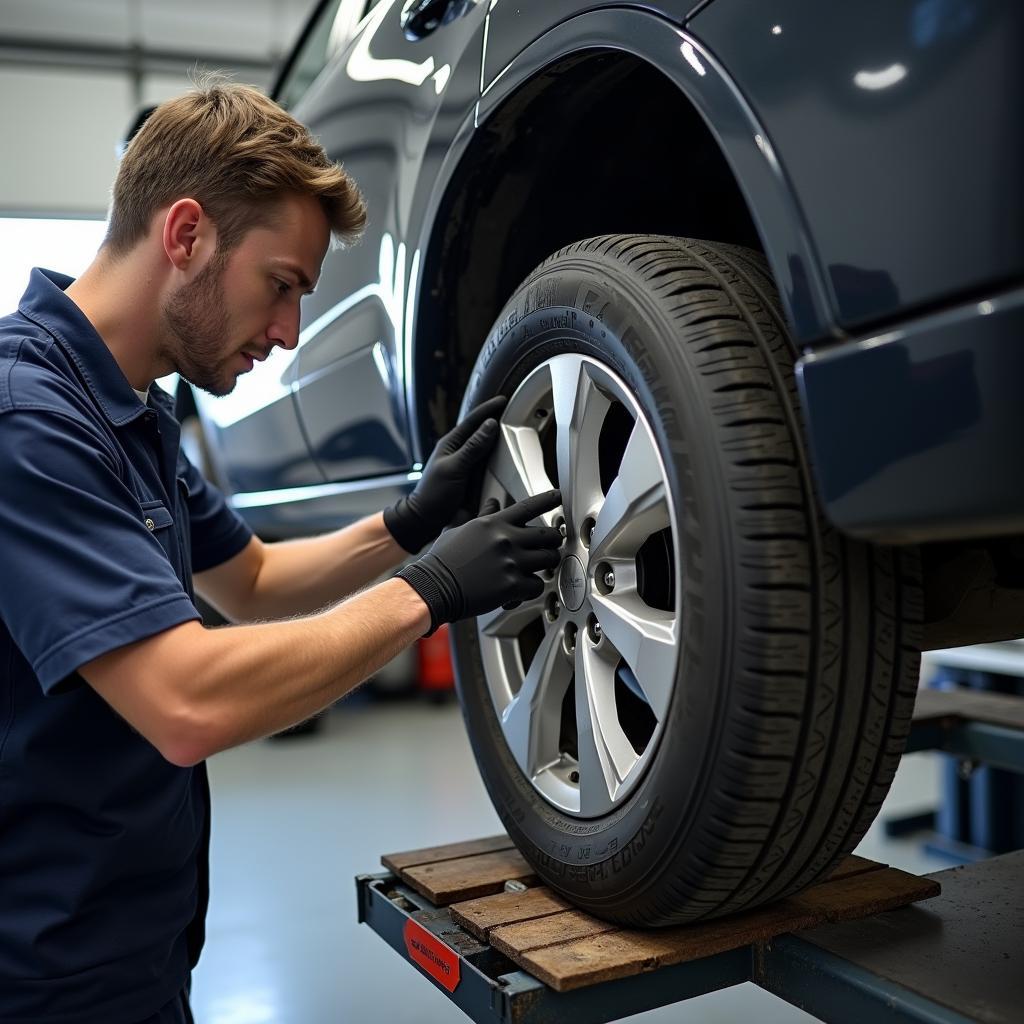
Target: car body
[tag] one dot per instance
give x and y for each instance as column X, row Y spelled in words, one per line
column 871, row 151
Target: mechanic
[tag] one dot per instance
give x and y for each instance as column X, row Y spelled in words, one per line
column 114, row 692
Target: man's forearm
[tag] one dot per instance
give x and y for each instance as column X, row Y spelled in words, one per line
column 302, row 576
column 220, row 687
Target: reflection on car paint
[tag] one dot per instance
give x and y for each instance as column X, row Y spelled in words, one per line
column 362, row 66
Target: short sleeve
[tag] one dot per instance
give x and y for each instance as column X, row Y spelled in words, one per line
column 218, row 531
column 81, row 574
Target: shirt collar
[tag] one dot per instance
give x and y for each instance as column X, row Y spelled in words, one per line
column 45, row 304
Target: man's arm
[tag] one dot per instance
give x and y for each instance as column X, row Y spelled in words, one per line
column 270, row 581
column 193, row 691
column 298, row 577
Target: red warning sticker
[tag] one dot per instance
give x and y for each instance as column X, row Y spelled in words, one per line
column 438, row 960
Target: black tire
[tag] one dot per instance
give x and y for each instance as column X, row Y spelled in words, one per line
column 800, row 654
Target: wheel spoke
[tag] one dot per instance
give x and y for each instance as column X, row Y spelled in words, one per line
column 636, row 505
column 646, row 638
column 531, row 722
column 605, row 755
column 509, row 622
column 580, row 409
column 518, row 463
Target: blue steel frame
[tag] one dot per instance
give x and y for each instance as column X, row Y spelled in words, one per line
column 493, row 990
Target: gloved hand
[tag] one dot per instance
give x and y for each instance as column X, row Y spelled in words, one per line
column 419, row 517
column 489, row 561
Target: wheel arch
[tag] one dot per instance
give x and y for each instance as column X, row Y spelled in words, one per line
column 537, row 171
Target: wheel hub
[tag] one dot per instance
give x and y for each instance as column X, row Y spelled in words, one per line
column 572, row 583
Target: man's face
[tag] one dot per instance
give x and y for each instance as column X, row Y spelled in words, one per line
column 240, row 307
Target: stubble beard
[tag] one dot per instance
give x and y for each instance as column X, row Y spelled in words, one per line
column 197, row 324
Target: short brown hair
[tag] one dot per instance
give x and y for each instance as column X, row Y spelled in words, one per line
column 236, row 153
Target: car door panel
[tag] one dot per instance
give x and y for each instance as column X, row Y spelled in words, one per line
column 394, row 91
column 364, row 435
column 259, row 418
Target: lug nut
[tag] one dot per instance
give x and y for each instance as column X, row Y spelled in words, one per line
column 604, row 578
column 594, row 630
column 587, row 531
column 552, row 608
column 574, row 776
column 561, row 528
column 569, row 639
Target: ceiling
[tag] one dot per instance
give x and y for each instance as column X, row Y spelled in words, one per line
column 156, row 35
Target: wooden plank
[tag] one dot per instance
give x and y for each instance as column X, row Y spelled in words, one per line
column 994, row 708
column 863, row 895
column 854, row 866
column 398, row 862
column 525, row 936
column 479, row 916
column 620, row 954
column 465, row 878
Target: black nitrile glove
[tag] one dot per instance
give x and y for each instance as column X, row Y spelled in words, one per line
column 417, row 519
column 489, row 561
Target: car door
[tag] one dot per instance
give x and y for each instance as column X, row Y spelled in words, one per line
column 375, row 107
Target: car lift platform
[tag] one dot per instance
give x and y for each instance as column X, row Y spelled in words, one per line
column 474, row 919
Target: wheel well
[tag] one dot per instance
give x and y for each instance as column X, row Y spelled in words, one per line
column 598, row 143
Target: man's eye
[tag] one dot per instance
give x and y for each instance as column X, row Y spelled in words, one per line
column 283, row 287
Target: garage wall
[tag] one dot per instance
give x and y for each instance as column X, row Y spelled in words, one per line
column 62, row 128
column 73, row 76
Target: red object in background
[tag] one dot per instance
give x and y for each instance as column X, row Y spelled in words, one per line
column 434, row 657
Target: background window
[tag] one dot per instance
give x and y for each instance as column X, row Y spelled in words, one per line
column 67, row 246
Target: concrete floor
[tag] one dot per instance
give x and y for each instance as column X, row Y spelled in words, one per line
column 294, row 821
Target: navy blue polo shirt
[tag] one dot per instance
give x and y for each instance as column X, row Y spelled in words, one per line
column 103, row 843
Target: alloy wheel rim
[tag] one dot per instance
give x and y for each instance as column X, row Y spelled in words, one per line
column 582, row 678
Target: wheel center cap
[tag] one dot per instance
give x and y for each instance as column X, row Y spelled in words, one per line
column 572, row 583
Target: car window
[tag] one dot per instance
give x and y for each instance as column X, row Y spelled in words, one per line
column 334, row 27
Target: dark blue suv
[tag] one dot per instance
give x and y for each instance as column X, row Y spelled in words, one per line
column 751, row 274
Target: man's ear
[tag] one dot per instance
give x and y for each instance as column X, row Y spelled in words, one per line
column 189, row 237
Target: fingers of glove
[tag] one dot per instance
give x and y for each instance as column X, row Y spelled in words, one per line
column 533, row 537
column 534, row 561
column 529, row 508
column 529, row 588
column 457, row 436
column 460, row 519
column 479, row 446
column 510, row 605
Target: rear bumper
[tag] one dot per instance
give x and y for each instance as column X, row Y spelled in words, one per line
column 917, row 434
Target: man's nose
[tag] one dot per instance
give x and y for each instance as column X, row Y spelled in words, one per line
column 284, row 331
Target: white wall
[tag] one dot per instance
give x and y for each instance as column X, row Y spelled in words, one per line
column 59, row 126
column 60, row 129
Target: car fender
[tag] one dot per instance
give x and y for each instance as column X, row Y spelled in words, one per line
column 706, row 84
